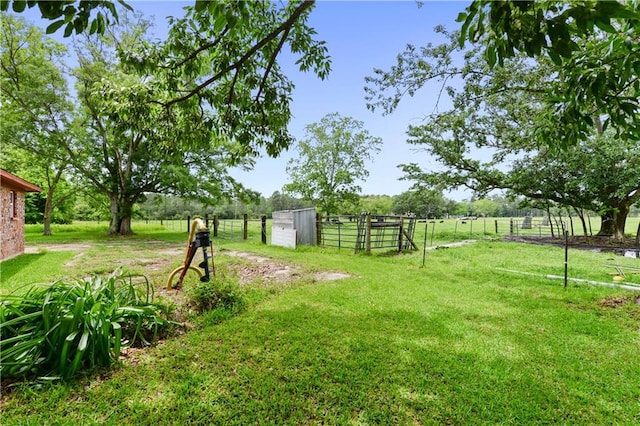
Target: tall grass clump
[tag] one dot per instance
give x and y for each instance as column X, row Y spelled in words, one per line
column 222, row 296
column 64, row 328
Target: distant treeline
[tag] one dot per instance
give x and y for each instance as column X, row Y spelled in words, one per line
column 158, row 206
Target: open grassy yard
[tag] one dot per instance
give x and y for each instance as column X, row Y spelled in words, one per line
column 457, row 341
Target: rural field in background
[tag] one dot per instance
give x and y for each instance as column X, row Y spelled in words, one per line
column 442, row 230
column 456, row 340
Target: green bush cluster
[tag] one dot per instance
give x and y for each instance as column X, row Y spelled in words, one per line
column 67, row 327
column 221, row 292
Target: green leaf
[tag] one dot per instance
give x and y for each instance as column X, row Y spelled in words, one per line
column 84, row 340
column 19, row 6
column 605, row 25
column 69, row 12
column 6, row 343
column 94, row 27
column 79, row 25
column 63, row 360
column 18, row 320
column 554, row 57
column 201, row 5
column 491, row 55
column 54, row 26
column 68, row 30
column 125, row 5
column 101, row 23
column 117, row 331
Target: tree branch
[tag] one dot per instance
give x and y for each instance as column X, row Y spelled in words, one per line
column 272, row 61
column 270, row 37
column 201, row 49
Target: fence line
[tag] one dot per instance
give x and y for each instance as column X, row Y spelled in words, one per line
column 342, row 231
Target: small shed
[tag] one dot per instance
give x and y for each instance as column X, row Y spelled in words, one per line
column 291, row 228
column 12, row 192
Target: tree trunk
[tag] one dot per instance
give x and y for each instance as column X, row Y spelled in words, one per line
column 114, row 224
column 550, row 221
column 125, row 226
column 52, row 184
column 580, row 213
column 121, row 212
column 613, row 222
column 48, row 211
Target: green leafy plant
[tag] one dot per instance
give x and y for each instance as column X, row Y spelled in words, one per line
column 221, row 292
column 67, row 327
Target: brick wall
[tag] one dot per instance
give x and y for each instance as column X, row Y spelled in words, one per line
column 11, row 228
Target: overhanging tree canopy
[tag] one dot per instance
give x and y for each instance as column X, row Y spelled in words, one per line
column 594, row 44
column 490, row 140
column 210, row 97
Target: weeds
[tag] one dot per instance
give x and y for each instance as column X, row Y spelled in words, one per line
column 221, row 292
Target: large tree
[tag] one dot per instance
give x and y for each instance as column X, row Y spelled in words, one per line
column 490, row 139
column 173, row 116
column 331, row 162
column 127, row 145
column 600, row 174
column 36, row 111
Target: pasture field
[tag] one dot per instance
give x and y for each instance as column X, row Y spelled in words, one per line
column 456, row 341
column 438, row 231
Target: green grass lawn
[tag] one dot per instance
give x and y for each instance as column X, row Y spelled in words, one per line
column 455, row 342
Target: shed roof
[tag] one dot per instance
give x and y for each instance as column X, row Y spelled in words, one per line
column 9, row 180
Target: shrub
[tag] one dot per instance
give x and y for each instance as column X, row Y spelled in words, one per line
column 219, row 293
column 64, row 328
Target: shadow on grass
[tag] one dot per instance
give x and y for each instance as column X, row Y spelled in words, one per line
column 13, row 266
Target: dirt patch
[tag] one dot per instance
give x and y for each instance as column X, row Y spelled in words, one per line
column 330, row 276
column 265, row 271
column 617, row 301
column 260, row 267
column 451, row 245
column 598, row 244
column 80, row 248
column 75, row 259
column 254, row 268
column 249, row 256
column 56, row 247
column 179, row 253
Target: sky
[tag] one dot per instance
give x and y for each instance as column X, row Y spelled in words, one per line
column 360, row 36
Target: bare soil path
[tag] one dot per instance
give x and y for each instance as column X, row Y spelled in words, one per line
column 254, row 267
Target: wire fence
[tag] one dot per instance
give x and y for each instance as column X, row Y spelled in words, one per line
column 339, row 232
column 342, row 232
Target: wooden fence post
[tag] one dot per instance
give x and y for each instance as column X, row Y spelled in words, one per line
column 400, row 233
column 319, row 229
column 367, row 237
column 496, row 225
column 264, row 229
column 245, row 221
column 188, row 223
column 216, row 223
